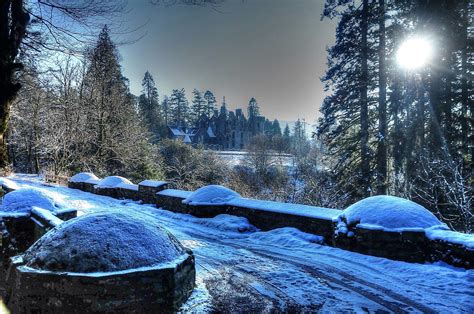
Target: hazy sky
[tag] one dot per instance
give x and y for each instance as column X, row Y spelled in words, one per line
column 273, row 50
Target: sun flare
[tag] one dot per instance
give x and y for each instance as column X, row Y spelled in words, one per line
column 414, row 53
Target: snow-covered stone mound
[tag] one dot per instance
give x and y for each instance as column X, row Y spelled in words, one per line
column 24, row 199
column 104, row 242
column 387, row 213
column 83, row 177
column 112, row 182
column 9, row 184
column 211, row 195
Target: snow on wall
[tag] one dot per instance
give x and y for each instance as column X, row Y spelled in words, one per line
column 24, row 199
column 127, row 186
column 104, row 242
column 93, row 181
column 83, row 177
column 112, row 182
column 466, row 240
column 9, row 184
column 211, row 195
column 152, row 183
column 388, row 213
column 46, row 215
column 175, row 193
column 286, row 208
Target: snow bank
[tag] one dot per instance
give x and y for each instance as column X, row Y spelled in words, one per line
column 226, row 222
column 83, row 177
column 112, row 182
column 466, row 240
column 291, row 238
column 211, row 195
column 104, row 242
column 152, row 183
column 388, row 213
column 24, row 199
column 8, row 184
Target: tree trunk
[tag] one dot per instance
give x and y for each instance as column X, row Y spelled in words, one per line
column 465, row 102
column 381, row 144
column 364, row 115
column 13, row 21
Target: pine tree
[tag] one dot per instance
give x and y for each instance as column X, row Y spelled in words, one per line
column 165, row 109
column 276, row 130
column 268, row 128
column 210, row 105
column 115, row 138
column 148, row 105
column 179, row 108
column 344, row 126
column 286, row 138
column 198, row 109
column 381, row 172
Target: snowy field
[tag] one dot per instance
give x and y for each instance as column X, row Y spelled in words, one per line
column 242, row 269
column 235, row 158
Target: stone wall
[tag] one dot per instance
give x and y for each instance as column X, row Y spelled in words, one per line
column 160, row 289
column 124, row 193
column 408, row 246
column 148, row 193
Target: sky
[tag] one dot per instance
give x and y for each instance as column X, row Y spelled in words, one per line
column 273, row 50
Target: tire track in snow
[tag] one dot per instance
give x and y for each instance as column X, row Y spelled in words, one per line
column 317, row 273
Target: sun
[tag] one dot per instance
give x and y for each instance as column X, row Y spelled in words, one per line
column 414, row 53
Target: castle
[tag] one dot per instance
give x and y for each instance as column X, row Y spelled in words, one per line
column 224, row 130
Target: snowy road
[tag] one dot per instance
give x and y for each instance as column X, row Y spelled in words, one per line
column 242, row 269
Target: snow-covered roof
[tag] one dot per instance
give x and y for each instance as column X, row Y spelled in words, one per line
column 152, row 183
column 104, row 242
column 112, row 182
column 187, row 139
column 24, row 199
column 8, row 184
column 83, row 177
column 211, row 195
column 210, row 132
column 388, row 213
column 176, row 131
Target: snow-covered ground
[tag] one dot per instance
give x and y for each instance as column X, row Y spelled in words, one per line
column 242, row 269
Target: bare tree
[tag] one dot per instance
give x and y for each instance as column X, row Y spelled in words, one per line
column 444, row 186
column 33, row 26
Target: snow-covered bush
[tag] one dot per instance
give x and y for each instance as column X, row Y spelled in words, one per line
column 387, row 213
column 24, row 199
column 112, row 182
column 187, row 168
column 103, row 242
column 83, row 177
column 211, row 195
